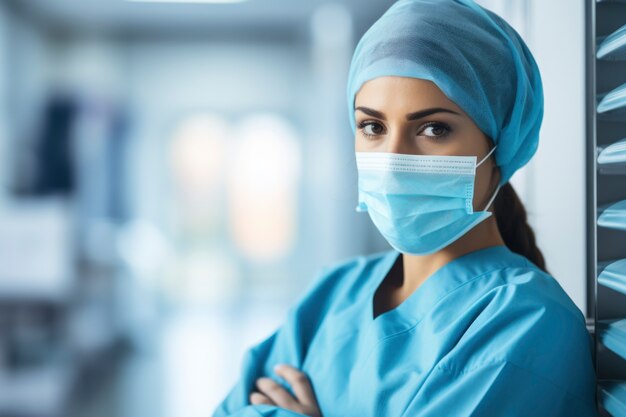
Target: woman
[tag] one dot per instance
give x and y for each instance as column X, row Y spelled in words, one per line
column 461, row 318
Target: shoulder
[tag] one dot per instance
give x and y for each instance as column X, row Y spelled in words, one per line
column 530, row 307
column 517, row 283
column 525, row 291
column 513, row 288
column 529, row 321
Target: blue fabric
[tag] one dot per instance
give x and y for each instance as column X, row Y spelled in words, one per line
column 488, row 334
column 419, row 203
column 475, row 58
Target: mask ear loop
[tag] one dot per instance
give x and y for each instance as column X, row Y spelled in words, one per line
column 492, row 198
column 498, row 187
column 486, row 156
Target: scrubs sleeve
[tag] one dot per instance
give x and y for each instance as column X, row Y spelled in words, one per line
column 264, row 410
column 493, row 389
column 256, row 360
column 287, row 344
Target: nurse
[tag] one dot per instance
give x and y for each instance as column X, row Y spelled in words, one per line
column 460, row 317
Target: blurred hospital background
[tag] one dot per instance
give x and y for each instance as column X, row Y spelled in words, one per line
column 173, row 175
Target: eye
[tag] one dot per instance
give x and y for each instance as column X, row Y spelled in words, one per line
column 370, row 128
column 437, row 129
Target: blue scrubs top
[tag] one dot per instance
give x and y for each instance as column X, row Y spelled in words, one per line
column 488, row 334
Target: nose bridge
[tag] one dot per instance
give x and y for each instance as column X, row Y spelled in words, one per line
column 397, row 142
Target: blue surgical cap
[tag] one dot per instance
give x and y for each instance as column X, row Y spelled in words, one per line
column 477, row 59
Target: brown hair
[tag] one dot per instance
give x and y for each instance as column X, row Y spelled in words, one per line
column 514, row 228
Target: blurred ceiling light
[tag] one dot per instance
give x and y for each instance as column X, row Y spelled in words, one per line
column 197, row 152
column 263, row 181
column 188, row 1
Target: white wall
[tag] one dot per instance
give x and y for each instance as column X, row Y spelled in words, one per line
column 558, row 178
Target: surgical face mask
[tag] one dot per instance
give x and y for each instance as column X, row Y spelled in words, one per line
column 419, row 203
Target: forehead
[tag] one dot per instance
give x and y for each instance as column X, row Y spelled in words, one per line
column 401, row 93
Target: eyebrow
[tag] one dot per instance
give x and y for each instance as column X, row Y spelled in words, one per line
column 411, row 116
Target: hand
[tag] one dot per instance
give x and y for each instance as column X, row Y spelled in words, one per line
column 273, row 393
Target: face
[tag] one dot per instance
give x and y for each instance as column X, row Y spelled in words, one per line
column 413, row 116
